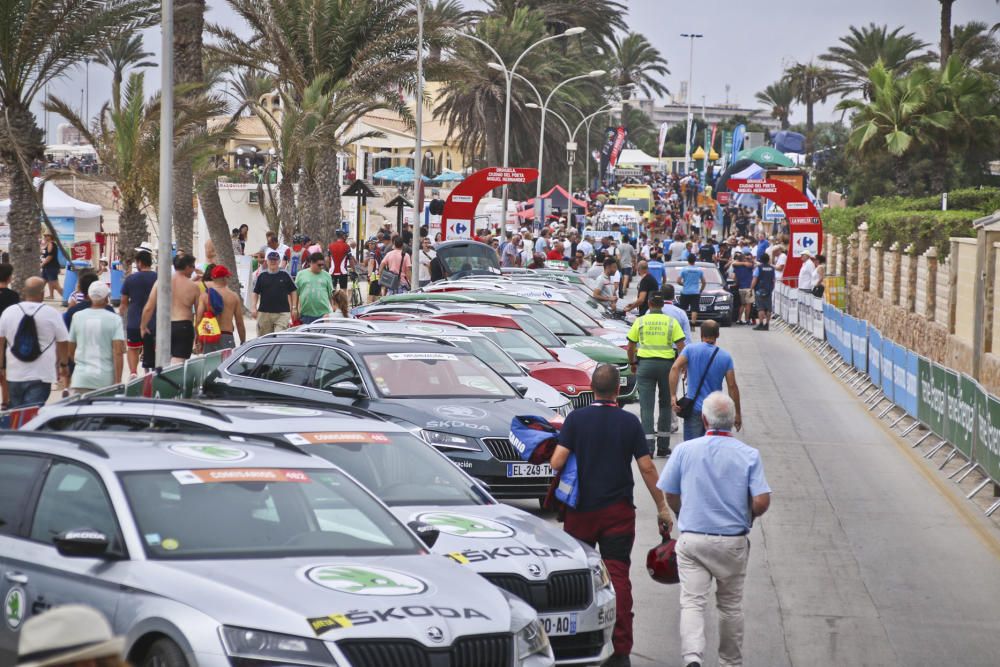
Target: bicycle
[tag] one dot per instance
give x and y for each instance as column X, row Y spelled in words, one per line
column 356, row 299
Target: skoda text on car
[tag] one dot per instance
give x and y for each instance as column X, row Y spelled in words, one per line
column 448, row 396
column 562, row 578
column 572, row 334
column 212, row 551
column 535, row 387
column 716, row 302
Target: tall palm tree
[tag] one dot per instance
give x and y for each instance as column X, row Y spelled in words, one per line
column 810, row 85
column 778, row 96
column 125, row 53
column 601, row 18
column 863, row 47
column 439, row 17
column 189, row 23
column 945, row 47
column 39, row 41
column 635, row 65
column 976, row 45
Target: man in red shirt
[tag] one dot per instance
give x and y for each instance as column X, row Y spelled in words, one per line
column 340, row 260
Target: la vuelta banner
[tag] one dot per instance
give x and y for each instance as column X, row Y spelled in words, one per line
column 621, row 134
column 609, row 143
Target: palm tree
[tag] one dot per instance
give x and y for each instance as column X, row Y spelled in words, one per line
column 40, row 40
column 601, row 18
column 865, row 46
column 945, row 30
column 976, row 45
column 810, row 84
column 189, row 23
column 778, row 96
column 439, row 17
column 119, row 56
column 635, row 65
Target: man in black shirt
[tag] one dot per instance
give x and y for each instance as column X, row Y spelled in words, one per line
column 604, row 438
column 8, row 297
column 647, row 285
column 274, row 299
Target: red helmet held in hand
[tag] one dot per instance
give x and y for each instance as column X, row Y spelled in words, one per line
column 661, row 561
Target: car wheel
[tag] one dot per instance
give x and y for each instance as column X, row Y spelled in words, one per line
column 164, row 653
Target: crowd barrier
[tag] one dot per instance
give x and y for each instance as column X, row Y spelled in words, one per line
column 178, row 381
column 950, row 406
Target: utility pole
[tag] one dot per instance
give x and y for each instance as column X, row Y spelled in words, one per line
column 687, row 144
column 418, row 156
column 164, row 292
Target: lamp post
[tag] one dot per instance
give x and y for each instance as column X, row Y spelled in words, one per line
column 611, row 107
column 538, row 195
column 418, row 159
column 164, row 293
column 509, row 77
column 687, row 145
column 541, row 132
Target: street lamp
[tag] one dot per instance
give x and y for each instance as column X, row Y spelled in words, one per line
column 687, row 145
column 164, row 291
column 541, row 130
column 571, row 153
column 611, row 107
column 509, row 76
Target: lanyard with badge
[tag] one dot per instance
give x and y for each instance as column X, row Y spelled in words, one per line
column 724, row 434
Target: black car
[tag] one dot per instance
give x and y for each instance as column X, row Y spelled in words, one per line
column 716, row 299
column 442, row 393
column 463, row 258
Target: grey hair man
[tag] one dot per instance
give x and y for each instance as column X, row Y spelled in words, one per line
column 715, row 485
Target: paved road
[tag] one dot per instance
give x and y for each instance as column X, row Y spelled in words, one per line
column 865, row 557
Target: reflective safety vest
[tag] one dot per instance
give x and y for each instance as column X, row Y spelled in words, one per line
column 655, row 335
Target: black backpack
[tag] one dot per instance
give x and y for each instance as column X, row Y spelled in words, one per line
column 25, row 346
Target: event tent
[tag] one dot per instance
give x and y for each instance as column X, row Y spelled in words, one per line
column 559, row 199
column 633, row 157
column 59, row 204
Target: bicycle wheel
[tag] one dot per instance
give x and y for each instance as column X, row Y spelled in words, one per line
column 355, row 295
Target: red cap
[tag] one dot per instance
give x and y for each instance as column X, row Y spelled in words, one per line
column 220, row 272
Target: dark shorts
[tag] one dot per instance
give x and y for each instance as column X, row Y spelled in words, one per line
column 149, row 351
column 339, row 281
column 181, row 339
column 626, row 271
column 763, row 300
column 374, row 289
column 689, row 302
column 133, row 338
column 50, row 272
column 226, row 342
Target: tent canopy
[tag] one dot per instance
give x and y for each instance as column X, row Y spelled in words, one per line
column 59, row 204
column 633, row 157
column 560, row 199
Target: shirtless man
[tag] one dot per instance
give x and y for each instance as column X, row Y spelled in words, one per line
column 232, row 312
column 185, row 298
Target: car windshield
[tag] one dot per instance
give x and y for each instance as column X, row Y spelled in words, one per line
column 464, row 258
column 517, row 344
column 551, row 319
column 430, row 374
column 712, row 276
column 572, row 312
column 260, row 513
column 588, row 305
column 486, row 350
column 535, row 329
column 399, row 468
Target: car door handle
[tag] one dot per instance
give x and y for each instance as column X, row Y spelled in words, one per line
column 16, row 578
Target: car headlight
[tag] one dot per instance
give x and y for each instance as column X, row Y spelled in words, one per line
column 451, row 441
column 724, row 297
column 564, row 409
column 529, row 633
column 272, row 647
column 599, row 572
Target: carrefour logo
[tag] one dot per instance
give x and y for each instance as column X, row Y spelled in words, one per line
column 461, row 525
column 362, row 580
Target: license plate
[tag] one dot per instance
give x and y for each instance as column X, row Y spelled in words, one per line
column 622, row 381
column 529, row 470
column 557, row 625
column 704, row 307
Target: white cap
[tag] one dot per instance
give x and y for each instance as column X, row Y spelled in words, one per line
column 98, row 291
column 66, row 635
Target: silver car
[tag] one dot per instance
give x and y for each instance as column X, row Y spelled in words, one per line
column 220, row 551
column 562, row 578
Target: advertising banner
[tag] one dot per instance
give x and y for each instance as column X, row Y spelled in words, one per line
column 859, row 341
column 899, row 376
column 875, row 356
column 912, row 388
column 793, row 307
column 961, row 410
column 988, row 434
column 817, row 311
column 887, row 374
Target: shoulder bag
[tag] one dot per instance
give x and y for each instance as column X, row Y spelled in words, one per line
column 685, row 403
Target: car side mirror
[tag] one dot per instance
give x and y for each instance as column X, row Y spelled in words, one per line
column 427, row 533
column 82, row 543
column 553, row 354
column 521, row 389
column 346, row 389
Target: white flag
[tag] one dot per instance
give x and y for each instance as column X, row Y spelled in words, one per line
column 664, row 126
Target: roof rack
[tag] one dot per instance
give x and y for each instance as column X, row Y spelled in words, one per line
column 442, row 322
column 204, row 409
column 286, row 334
column 434, row 338
column 352, row 410
column 82, row 443
column 277, row 441
column 333, row 323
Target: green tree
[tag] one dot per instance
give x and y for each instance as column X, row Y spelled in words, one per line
column 779, row 98
column 601, row 18
column 39, row 41
column 859, row 51
column 810, row 84
column 125, row 53
column 636, row 66
column 945, row 30
column 976, row 45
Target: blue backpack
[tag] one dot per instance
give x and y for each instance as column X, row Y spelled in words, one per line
column 535, row 440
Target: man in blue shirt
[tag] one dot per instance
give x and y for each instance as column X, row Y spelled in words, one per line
column 707, row 366
column 716, row 486
column 743, row 272
column 605, row 440
column 762, row 245
column 692, row 281
column 763, row 287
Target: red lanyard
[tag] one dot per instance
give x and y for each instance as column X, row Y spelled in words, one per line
column 725, row 434
column 606, row 404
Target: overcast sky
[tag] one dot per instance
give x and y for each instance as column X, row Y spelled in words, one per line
column 746, row 45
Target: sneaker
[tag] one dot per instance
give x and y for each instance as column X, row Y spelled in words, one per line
column 760, row 327
column 132, row 376
column 693, row 664
column 663, row 453
column 619, row 660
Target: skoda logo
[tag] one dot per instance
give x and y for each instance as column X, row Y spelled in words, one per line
column 461, row 525
column 361, row 580
column 534, row 570
column 211, row 452
column 571, row 389
column 460, row 412
column 435, row 634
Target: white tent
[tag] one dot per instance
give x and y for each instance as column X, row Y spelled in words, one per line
column 633, row 157
column 58, row 204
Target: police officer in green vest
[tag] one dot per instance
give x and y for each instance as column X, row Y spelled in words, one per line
column 654, row 341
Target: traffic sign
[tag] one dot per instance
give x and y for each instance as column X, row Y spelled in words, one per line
column 773, row 212
column 459, row 229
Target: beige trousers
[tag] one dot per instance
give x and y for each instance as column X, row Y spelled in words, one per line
column 700, row 559
column 271, row 322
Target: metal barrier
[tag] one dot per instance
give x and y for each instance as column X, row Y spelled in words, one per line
column 955, row 411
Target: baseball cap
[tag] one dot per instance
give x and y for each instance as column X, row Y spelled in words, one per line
column 805, row 253
column 656, row 298
column 273, row 255
column 98, row 291
column 221, row 272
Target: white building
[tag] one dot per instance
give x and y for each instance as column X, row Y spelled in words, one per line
column 676, row 114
